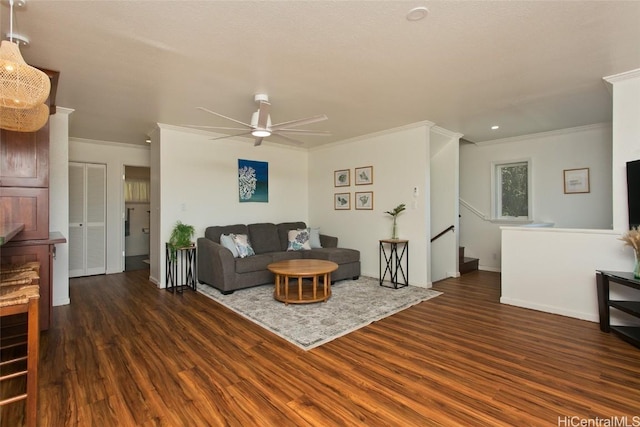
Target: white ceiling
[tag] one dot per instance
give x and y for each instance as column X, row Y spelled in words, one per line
column 528, row 66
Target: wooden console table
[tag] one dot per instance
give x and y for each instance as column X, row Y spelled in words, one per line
column 631, row 334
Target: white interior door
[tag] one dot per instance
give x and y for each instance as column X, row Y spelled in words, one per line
column 87, row 219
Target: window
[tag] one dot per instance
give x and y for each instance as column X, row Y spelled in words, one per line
column 512, row 190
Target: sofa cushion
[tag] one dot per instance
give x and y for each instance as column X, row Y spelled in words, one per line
column 214, row 233
column 243, row 245
column 299, row 240
column 253, row 263
column 337, row 255
column 283, row 232
column 264, row 237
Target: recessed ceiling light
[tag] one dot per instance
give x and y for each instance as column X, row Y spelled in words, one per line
column 494, row 127
column 417, row 13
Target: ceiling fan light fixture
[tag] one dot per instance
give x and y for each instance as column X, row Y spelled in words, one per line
column 261, row 133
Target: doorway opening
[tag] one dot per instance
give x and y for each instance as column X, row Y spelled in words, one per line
column 137, row 182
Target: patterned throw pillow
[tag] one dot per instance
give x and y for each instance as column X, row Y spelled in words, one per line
column 227, row 241
column 299, row 240
column 242, row 245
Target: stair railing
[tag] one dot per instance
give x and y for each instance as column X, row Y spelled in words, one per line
column 440, row 234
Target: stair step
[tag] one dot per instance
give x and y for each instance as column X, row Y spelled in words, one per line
column 468, row 264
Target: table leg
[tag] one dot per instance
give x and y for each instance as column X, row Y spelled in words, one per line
column 278, row 285
column 299, row 288
column 602, row 284
column 315, row 286
column 286, row 287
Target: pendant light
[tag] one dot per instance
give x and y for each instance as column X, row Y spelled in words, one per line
column 23, row 89
column 24, row 119
column 21, row 85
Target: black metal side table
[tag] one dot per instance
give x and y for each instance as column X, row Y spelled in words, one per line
column 393, row 262
column 181, row 270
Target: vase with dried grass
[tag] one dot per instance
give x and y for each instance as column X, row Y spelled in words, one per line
column 632, row 238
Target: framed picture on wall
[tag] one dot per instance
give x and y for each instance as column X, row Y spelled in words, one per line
column 341, row 178
column 364, row 200
column 364, row 175
column 342, row 201
column 576, row 181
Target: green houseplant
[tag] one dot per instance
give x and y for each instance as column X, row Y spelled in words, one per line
column 181, row 237
column 394, row 213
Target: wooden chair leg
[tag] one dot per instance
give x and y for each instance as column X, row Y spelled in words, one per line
column 33, row 352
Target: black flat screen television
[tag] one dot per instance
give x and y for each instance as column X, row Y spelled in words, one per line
column 633, row 192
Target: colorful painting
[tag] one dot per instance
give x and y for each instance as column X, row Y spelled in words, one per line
column 253, row 181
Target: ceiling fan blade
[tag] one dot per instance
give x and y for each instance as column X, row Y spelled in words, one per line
column 258, row 141
column 305, row 132
column 224, row 117
column 295, row 141
column 263, row 115
column 211, row 127
column 230, row 136
column 300, row 122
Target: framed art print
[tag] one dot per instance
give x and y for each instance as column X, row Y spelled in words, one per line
column 576, row 181
column 364, row 175
column 364, row 200
column 342, row 201
column 341, row 178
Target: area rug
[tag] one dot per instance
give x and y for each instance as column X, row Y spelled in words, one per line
column 353, row 304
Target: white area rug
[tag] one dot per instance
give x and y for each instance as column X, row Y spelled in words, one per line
column 353, row 304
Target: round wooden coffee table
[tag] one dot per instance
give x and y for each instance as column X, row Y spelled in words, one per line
column 302, row 269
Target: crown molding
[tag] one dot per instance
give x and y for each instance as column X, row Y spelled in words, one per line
column 627, row 75
column 539, row 135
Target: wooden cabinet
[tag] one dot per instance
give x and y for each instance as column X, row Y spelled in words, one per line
column 24, row 199
column 24, row 158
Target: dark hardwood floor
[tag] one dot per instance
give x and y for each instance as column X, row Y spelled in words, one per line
column 125, row 353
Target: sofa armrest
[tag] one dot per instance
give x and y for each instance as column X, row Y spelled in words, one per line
column 328, row 241
column 216, row 265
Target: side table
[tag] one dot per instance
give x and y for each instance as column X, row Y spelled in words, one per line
column 181, row 271
column 393, row 262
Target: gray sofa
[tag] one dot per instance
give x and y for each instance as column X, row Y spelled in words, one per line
column 217, row 266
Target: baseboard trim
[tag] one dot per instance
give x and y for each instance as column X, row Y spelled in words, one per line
column 591, row 317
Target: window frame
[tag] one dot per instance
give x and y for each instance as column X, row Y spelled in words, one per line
column 496, row 191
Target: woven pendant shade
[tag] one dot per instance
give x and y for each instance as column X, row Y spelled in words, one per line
column 21, row 85
column 24, row 119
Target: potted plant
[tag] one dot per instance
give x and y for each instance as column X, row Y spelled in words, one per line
column 394, row 213
column 181, row 237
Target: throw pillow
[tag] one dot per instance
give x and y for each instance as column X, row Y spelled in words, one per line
column 243, row 245
column 314, row 238
column 298, row 240
column 227, row 241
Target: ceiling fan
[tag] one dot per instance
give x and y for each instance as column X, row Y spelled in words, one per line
column 261, row 127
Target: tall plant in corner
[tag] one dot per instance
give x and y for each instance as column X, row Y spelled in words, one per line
column 181, row 237
column 394, row 213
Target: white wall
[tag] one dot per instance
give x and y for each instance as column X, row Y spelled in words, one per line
column 444, row 206
column 626, row 135
column 400, row 160
column 115, row 156
column 197, row 179
column 554, row 270
column 59, row 200
column 550, row 153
